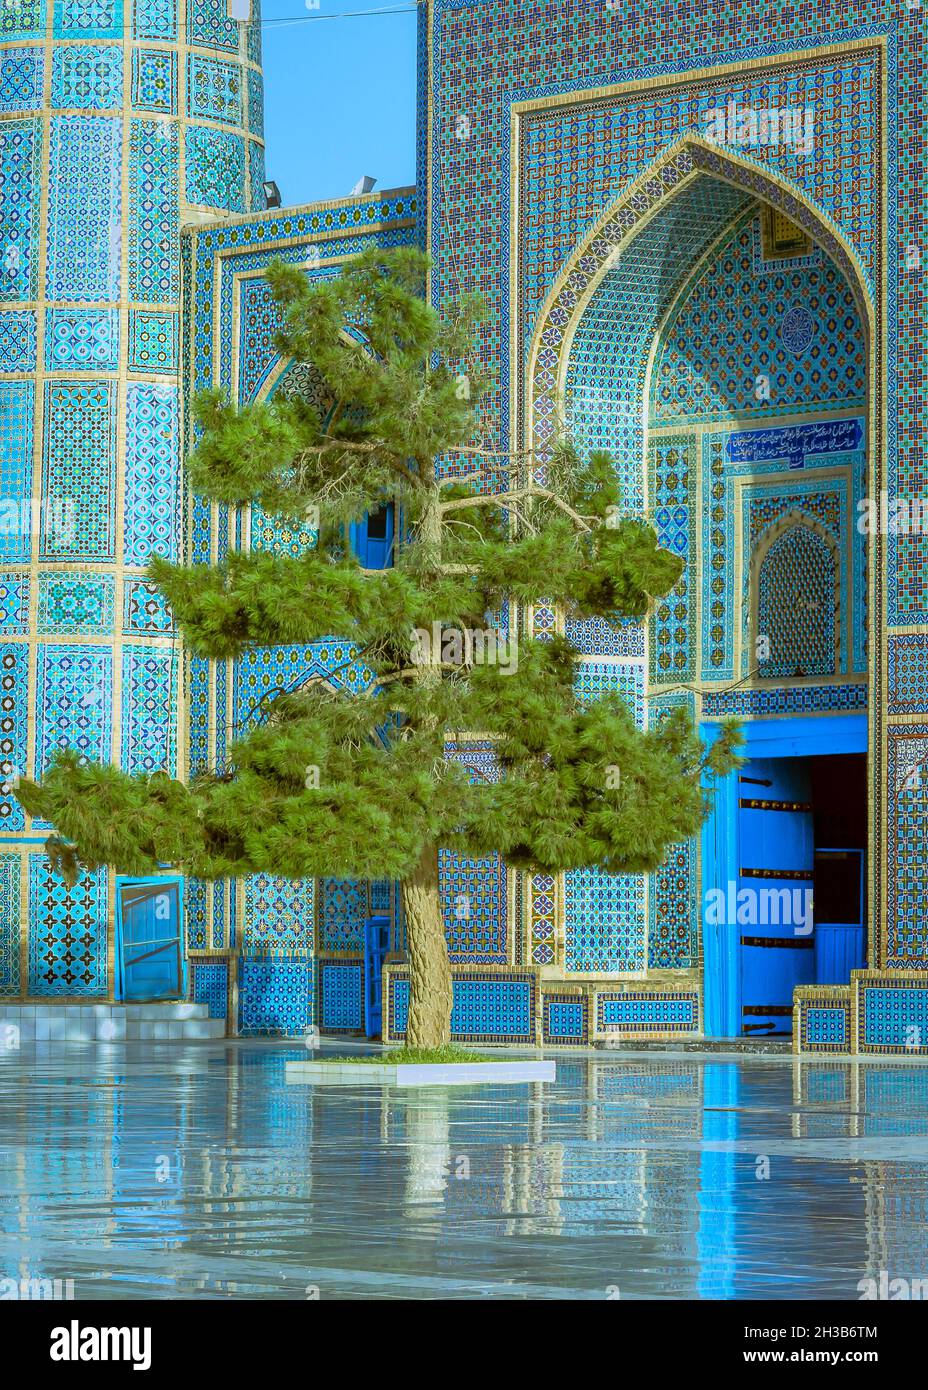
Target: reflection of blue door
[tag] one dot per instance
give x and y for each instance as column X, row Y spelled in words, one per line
column 149, row 939
column 376, row 946
column 777, row 853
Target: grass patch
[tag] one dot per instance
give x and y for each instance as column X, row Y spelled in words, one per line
column 406, row 1056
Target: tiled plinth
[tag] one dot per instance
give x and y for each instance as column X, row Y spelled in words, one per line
column 409, row 1074
column 67, row 1023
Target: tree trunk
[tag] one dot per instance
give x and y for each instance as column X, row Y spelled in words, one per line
column 429, row 1022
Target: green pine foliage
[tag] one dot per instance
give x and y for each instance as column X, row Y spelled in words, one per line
column 330, row 784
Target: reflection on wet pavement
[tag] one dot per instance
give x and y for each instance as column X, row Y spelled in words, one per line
column 198, row 1172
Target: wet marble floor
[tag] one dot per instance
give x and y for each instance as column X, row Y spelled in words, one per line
column 167, row 1171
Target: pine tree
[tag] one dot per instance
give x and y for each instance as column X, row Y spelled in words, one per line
column 361, row 785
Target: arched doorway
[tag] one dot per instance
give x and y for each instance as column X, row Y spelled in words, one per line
column 714, row 334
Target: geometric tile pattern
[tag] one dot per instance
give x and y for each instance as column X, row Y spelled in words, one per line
column 79, row 474
column 151, row 508
column 278, row 913
column 20, row 184
column 214, row 89
column 149, row 699
column 906, row 945
column 86, row 78
column 82, row 340
column 604, row 921
column 474, row 906
column 154, row 262
column 14, row 603
column 797, row 605
column 343, row 909
column 14, row 723
column 154, row 19
column 210, row 985
column 275, row 995
column 154, row 80
column 16, row 513
column 893, row 1017
column 17, row 340
column 9, row 925
column 153, row 343
column 907, row 683
column 647, row 1012
column 497, row 1007
column 76, row 604
column 673, row 927
column 565, row 1018
column 341, row 991
column 83, row 233
column 215, row 168
column 74, row 700
column 145, row 609
column 826, row 1027
column 716, row 346
column 67, row 937
column 21, row 74
column 673, row 496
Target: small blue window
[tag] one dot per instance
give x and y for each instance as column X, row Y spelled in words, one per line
column 372, row 539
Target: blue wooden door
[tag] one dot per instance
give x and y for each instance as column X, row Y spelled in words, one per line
column 777, row 854
column 376, row 946
column 372, row 539
column 149, row 940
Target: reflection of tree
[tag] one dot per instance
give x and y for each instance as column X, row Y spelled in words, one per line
column 428, row 1147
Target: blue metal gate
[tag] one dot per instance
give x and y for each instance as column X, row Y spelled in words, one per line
column 777, row 851
column 149, row 939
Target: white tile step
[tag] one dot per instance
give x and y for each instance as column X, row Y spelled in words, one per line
column 167, row 1011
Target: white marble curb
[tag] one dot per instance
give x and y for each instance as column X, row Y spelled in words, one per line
column 412, row 1074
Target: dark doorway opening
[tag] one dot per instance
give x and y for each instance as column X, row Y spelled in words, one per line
column 801, row 901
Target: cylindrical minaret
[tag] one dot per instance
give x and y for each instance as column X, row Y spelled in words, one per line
column 120, row 120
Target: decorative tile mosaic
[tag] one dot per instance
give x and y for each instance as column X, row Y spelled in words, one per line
column 907, row 680
column 24, row 21
column 604, row 921
column 86, row 78
column 596, row 678
column 74, row 701
column 210, row 26
column 17, row 340
column 20, row 185
column 647, row 1012
column 565, row 1019
column 827, row 1027
column 154, row 19
column 84, row 235
column 210, row 985
column 145, row 609
column 278, row 913
column 264, row 671
column 149, row 703
column 82, row 340
column 22, row 73
column 906, row 930
column 76, row 605
column 594, row 637
column 673, row 921
column 17, row 513
column 805, row 699
column 893, row 1017
column 153, row 341
column 154, row 80
column 343, row 909
column 79, row 471
column 797, row 605
column 275, row 995
column 214, row 90
column 152, row 504
column 88, row 19
column 154, row 191
column 14, row 723
column 9, row 925
column 215, row 164
column 67, row 933
column 498, row 1007
column 341, row 986
column 543, row 918
column 474, row 902
column 717, row 345
column 195, row 914
column 672, row 487
column 14, row 603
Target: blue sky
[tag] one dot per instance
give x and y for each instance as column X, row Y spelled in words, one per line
column 339, row 96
